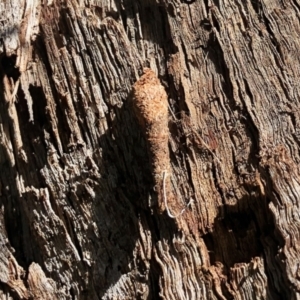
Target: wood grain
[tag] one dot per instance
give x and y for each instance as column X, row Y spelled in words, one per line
column 75, row 179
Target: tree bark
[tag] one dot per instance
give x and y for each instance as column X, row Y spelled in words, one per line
column 149, row 149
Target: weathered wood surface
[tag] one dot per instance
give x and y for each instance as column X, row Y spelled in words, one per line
column 80, row 218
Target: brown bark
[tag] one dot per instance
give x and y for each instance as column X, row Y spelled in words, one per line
column 81, row 195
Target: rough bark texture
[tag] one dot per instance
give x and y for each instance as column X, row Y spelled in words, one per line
column 81, row 195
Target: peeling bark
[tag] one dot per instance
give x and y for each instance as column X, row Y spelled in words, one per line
column 86, row 170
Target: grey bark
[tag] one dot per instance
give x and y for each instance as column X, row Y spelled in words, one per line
column 83, row 211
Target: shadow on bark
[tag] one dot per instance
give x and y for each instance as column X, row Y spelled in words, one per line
column 245, row 231
column 121, row 199
column 125, row 156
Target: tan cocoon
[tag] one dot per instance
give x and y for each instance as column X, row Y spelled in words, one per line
column 151, row 108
